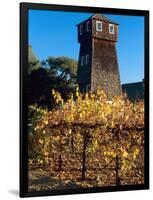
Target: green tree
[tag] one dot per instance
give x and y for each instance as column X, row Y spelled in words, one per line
column 63, row 69
column 53, row 73
column 33, row 61
column 63, row 63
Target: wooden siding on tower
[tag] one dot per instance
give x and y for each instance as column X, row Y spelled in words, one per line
column 86, row 34
column 104, row 34
column 105, row 71
column 102, row 70
column 84, row 72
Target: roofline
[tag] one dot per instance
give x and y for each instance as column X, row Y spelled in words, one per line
column 83, row 21
column 92, row 17
column 106, row 21
column 132, row 83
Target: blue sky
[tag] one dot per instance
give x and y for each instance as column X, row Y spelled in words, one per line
column 53, row 33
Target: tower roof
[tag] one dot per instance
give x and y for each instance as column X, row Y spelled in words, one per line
column 100, row 17
column 103, row 18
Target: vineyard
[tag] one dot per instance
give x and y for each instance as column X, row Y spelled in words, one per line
column 86, row 141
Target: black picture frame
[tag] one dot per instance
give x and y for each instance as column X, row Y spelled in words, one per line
column 24, row 7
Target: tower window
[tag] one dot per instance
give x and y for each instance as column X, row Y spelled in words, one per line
column 99, row 26
column 111, row 29
column 87, row 59
column 88, row 26
column 82, row 60
column 81, row 29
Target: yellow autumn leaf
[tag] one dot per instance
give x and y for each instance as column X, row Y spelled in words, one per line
column 136, row 152
column 113, row 125
column 46, row 122
column 113, row 154
column 53, row 92
column 40, row 141
column 81, row 115
column 125, row 154
column 77, row 93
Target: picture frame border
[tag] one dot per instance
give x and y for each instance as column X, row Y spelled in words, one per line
column 24, row 7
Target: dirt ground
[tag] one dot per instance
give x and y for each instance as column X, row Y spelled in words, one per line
column 42, row 179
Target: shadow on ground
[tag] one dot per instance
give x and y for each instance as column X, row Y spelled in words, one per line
column 14, row 192
column 43, row 181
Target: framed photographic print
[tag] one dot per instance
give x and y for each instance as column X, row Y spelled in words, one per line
column 84, row 99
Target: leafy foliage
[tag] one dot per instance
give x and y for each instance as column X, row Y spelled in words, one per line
column 58, row 73
column 33, row 61
column 90, row 139
column 65, row 63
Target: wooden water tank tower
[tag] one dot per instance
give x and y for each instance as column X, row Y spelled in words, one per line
column 98, row 64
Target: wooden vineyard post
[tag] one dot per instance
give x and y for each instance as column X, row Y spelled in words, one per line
column 86, row 138
column 72, row 140
column 84, row 157
column 72, row 146
column 60, row 152
column 50, row 149
column 60, row 158
column 117, row 159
